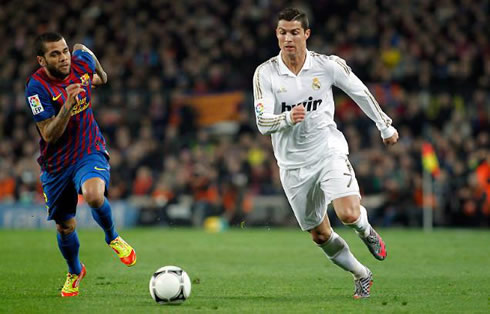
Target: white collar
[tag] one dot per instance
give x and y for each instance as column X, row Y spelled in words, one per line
column 284, row 70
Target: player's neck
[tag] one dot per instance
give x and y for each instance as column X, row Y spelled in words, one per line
column 294, row 62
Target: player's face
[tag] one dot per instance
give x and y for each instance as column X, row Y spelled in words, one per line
column 56, row 59
column 291, row 37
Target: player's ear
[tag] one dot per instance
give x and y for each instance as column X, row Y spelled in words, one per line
column 41, row 61
column 307, row 33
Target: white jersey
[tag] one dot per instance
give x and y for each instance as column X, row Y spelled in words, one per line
column 277, row 90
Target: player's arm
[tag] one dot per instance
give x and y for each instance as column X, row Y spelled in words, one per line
column 352, row 86
column 52, row 128
column 98, row 67
column 96, row 80
column 267, row 121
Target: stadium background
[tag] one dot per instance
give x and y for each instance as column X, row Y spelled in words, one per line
column 178, row 116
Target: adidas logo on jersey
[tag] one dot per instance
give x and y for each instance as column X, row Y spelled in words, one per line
column 310, row 105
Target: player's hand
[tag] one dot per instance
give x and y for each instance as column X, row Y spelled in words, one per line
column 72, row 90
column 391, row 140
column 298, row 114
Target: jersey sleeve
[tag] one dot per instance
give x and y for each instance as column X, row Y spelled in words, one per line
column 39, row 101
column 87, row 58
column 264, row 102
column 347, row 81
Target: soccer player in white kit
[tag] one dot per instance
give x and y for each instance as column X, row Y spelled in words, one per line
column 294, row 104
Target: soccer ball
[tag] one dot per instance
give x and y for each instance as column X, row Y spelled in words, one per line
column 170, row 285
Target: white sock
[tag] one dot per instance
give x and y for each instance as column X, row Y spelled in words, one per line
column 361, row 225
column 339, row 253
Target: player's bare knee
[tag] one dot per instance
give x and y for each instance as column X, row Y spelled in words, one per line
column 93, row 192
column 65, row 228
column 321, row 237
column 94, row 199
column 349, row 214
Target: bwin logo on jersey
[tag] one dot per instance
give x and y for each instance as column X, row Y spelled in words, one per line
column 310, row 105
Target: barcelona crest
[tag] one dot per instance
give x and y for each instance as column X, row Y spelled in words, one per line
column 85, row 79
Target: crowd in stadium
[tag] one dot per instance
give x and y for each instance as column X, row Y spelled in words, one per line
column 426, row 62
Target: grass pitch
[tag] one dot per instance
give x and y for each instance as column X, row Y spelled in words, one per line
column 249, row 271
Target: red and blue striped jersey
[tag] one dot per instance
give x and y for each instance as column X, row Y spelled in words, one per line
column 46, row 96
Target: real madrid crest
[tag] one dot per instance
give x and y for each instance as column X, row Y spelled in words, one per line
column 316, row 84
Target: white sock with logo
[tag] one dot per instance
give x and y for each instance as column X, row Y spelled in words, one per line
column 361, row 225
column 339, row 253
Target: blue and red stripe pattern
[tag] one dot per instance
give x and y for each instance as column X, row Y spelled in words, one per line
column 46, row 96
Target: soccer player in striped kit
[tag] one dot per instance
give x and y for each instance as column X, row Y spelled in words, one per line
column 73, row 155
column 294, row 104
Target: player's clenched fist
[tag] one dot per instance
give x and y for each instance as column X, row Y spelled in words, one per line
column 298, row 114
column 391, row 140
column 73, row 90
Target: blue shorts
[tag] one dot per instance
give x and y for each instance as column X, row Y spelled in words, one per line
column 61, row 189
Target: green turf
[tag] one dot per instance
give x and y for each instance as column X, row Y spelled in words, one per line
column 249, row 271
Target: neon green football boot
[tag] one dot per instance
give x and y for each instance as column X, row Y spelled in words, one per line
column 124, row 251
column 70, row 288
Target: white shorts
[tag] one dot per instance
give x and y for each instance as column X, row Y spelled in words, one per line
column 310, row 189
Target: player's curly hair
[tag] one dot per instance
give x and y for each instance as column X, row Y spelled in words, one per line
column 47, row 37
column 293, row 14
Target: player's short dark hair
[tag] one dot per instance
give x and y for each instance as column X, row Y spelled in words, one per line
column 293, row 14
column 47, row 37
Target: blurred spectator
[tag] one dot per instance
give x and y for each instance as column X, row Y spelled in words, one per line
column 143, row 182
column 7, row 184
